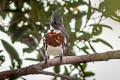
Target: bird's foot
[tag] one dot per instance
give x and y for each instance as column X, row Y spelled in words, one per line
column 46, row 59
column 61, row 57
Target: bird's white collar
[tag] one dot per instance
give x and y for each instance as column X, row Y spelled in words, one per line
column 57, row 31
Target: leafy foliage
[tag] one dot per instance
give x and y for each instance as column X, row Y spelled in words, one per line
column 14, row 56
column 29, row 20
column 57, row 69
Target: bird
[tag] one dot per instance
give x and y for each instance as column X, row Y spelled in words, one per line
column 55, row 40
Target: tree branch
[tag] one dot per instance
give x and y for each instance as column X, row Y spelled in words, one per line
column 33, row 69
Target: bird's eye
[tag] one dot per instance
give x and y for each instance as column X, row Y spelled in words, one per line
column 55, row 22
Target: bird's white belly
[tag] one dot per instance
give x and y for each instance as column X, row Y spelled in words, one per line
column 54, row 50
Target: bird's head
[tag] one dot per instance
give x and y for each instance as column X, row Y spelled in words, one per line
column 56, row 18
column 57, row 22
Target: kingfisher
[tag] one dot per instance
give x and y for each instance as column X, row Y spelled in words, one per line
column 55, row 40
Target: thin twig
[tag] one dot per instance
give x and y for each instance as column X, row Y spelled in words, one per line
column 56, row 74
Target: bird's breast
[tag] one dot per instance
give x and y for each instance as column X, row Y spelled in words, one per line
column 54, row 42
column 54, row 39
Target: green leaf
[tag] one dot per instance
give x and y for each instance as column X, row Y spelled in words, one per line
column 2, row 29
column 76, row 65
column 13, row 64
column 97, row 30
column 84, row 48
column 57, row 69
column 66, row 71
column 27, row 50
column 23, row 78
column 106, row 26
column 92, row 47
column 104, row 42
column 86, row 36
column 12, row 52
column 85, row 51
column 88, row 74
column 2, row 59
column 3, row 15
column 32, row 59
column 11, row 67
column 102, row 25
column 115, row 18
column 89, row 13
column 84, row 65
column 1, row 51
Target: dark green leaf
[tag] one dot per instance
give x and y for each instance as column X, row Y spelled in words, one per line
column 1, row 51
column 11, row 67
column 102, row 25
column 66, row 71
column 86, row 36
column 27, row 50
column 3, row 15
column 84, row 65
column 76, row 65
column 89, row 11
column 57, row 69
column 106, row 26
column 92, row 47
column 12, row 52
column 13, row 64
column 72, row 68
column 85, row 51
column 2, row 59
column 103, row 41
column 89, row 74
column 31, row 59
column 2, row 29
column 23, row 78
column 97, row 30
column 115, row 18
column 84, row 48
column 106, row 43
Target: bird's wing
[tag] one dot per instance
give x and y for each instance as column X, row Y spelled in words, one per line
column 61, row 28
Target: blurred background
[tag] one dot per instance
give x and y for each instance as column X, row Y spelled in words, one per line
column 93, row 26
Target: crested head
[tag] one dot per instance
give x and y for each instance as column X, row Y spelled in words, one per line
column 56, row 18
column 56, row 22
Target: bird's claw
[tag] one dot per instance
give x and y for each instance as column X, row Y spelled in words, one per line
column 46, row 59
column 61, row 57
